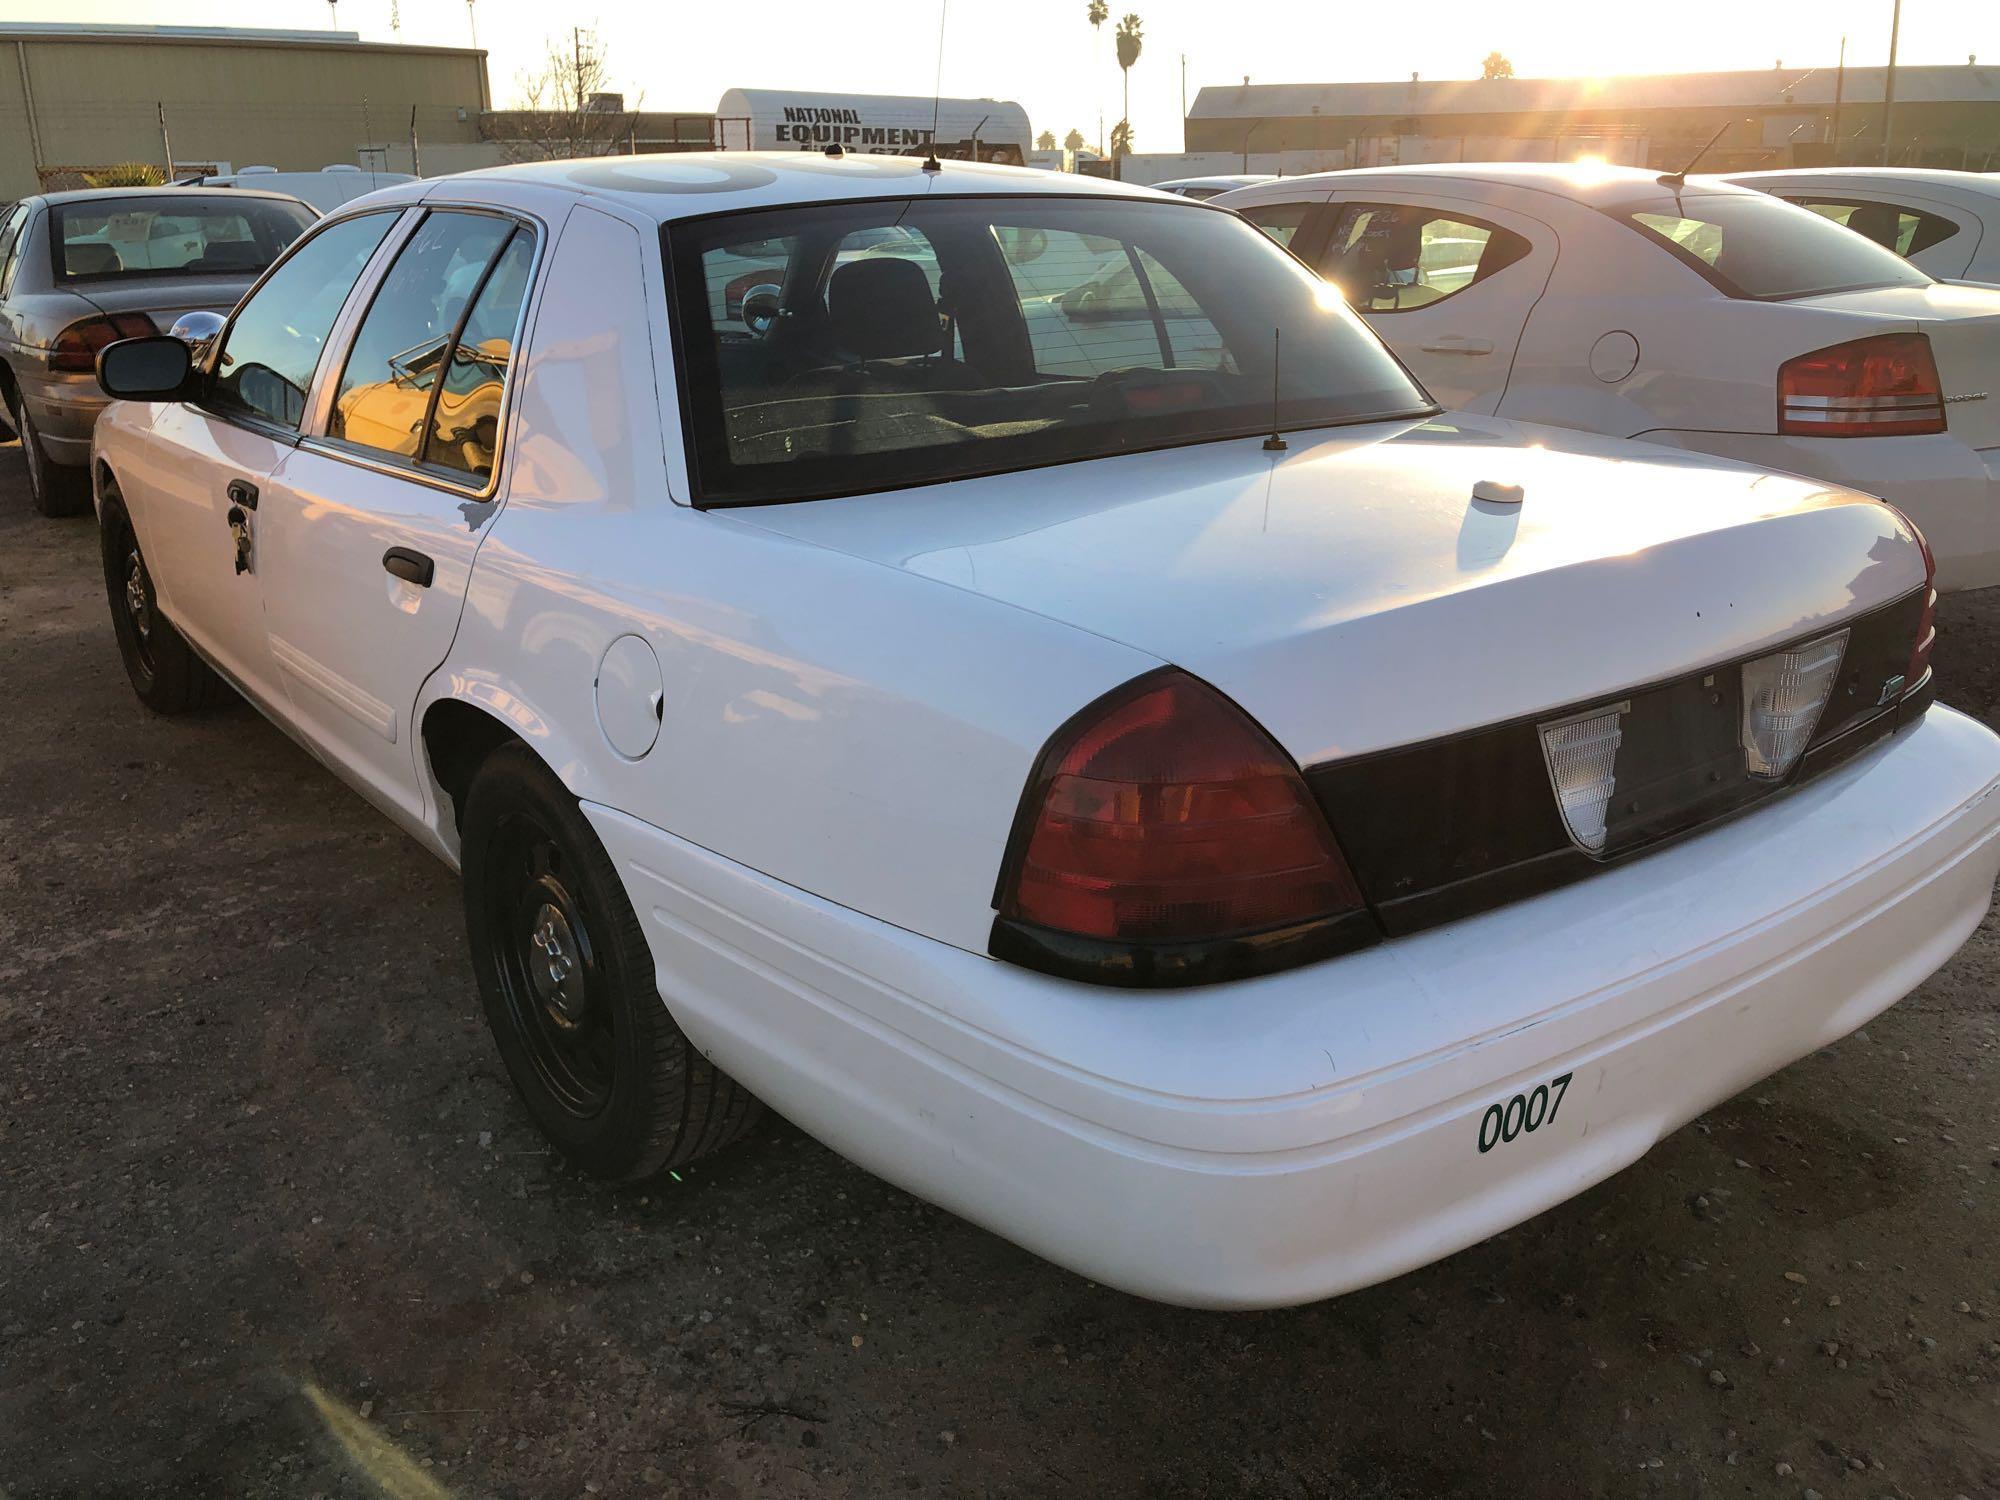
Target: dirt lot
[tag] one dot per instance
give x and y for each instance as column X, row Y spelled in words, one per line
column 271, row 1222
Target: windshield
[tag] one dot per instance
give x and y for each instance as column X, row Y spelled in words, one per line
column 1756, row 246
column 838, row 348
column 171, row 235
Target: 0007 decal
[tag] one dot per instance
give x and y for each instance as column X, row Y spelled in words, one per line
column 1522, row 1113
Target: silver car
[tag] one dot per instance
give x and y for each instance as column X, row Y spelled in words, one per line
column 83, row 269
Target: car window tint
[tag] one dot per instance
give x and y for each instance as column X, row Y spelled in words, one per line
column 1753, row 245
column 465, row 429
column 1396, row 257
column 385, row 389
column 919, row 340
column 273, row 345
column 138, row 237
column 732, row 271
column 10, row 245
column 1281, row 221
column 1907, row 231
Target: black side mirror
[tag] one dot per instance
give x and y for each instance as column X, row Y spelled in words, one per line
column 159, row 368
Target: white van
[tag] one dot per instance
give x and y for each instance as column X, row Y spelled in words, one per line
column 325, row 190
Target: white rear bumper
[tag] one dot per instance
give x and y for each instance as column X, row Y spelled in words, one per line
column 1292, row 1137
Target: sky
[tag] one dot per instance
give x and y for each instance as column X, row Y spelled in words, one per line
column 678, row 55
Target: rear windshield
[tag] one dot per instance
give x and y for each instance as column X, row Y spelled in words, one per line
column 1756, row 246
column 839, row 348
column 123, row 238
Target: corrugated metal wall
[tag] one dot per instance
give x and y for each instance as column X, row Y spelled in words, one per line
column 296, row 106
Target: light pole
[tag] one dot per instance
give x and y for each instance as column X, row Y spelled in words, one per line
column 1889, row 80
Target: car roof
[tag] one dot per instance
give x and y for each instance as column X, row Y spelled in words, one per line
column 1583, row 182
column 685, row 184
column 165, row 189
column 1224, row 179
column 1978, row 182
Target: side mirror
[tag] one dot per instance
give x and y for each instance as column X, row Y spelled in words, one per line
column 762, row 308
column 196, row 329
column 149, row 369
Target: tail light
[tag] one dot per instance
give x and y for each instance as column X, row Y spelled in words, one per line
column 75, row 348
column 1886, row 386
column 1166, row 838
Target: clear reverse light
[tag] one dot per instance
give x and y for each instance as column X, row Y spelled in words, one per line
column 1582, row 754
column 1783, row 696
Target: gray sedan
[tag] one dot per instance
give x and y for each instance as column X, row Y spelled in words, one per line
column 83, row 269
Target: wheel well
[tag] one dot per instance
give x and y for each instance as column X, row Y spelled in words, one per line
column 6, row 392
column 457, row 738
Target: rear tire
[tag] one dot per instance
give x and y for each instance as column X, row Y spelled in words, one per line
column 56, row 490
column 568, row 985
column 166, row 674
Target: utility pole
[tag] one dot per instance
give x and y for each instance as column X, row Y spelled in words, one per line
column 166, row 144
column 416, row 158
column 1889, row 80
column 472, row 21
column 1839, row 90
column 1183, row 102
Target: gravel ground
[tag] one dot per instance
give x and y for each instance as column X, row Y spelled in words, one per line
column 271, row 1222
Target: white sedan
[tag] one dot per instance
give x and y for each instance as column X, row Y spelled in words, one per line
column 1209, row 818
column 1698, row 314
column 1947, row 224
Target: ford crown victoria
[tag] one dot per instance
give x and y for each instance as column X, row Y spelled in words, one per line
column 1123, row 766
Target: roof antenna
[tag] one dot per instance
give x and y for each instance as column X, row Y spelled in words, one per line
column 1679, row 179
column 931, row 162
column 1274, row 443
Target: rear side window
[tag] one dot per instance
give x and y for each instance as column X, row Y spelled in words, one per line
column 385, row 401
column 1756, row 246
column 1281, row 221
column 120, row 238
column 1394, row 257
column 465, row 424
column 273, row 344
column 10, row 245
column 1907, row 231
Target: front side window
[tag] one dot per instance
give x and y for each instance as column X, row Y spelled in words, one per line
column 120, row 238
column 1755, row 246
column 1907, row 231
column 1391, row 257
column 921, row 340
column 273, row 344
column 407, row 339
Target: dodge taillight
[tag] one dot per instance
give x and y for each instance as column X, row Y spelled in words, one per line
column 75, row 348
column 1886, row 386
column 1162, row 821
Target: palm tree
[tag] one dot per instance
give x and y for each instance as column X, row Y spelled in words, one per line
column 1121, row 139
column 1099, row 13
column 1129, row 42
column 1074, row 141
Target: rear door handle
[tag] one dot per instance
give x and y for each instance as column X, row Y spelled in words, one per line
column 410, row 566
column 242, row 492
column 1453, row 343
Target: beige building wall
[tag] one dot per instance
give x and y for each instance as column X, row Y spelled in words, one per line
column 88, row 100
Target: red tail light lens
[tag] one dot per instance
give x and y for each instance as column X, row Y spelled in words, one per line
column 75, row 348
column 1163, row 814
column 1886, row 386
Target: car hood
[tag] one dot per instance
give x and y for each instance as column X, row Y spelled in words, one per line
column 1353, row 594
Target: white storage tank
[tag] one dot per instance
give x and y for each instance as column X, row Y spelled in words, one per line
column 879, row 124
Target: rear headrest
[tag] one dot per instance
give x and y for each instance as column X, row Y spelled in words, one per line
column 91, row 258
column 882, row 309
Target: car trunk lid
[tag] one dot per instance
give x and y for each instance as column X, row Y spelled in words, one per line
column 164, row 299
column 1353, row 594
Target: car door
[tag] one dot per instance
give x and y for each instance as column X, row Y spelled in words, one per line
column 1447, row 284
column 194, row 489
column 369, row 528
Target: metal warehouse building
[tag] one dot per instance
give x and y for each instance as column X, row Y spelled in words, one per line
column 77, row 98
column 1944, row 116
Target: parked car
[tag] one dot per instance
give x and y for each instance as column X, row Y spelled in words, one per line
column 1204, row 188
column 1945, row 223
column 1212, row 819
column 80, row 269
column 1700, row 315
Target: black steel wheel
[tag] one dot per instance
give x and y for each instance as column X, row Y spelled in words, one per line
column 163, row 668
column 567, row 981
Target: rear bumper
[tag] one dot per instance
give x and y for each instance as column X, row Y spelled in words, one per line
column 64, row 408
column 1950, row 490
column 1296, row 1136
